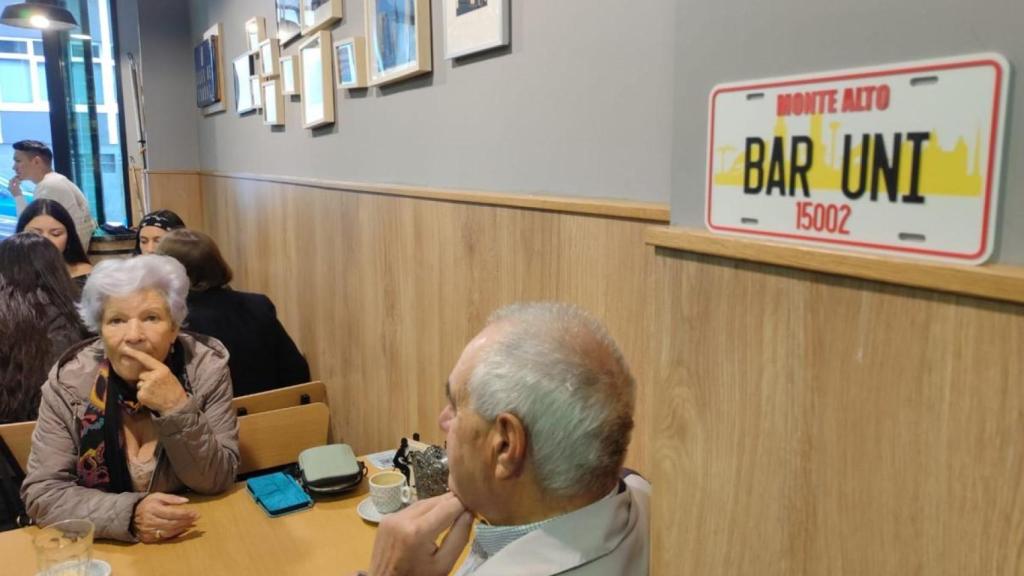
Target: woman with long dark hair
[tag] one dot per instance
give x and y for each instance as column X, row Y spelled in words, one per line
column 47, row 218
column 38, row 321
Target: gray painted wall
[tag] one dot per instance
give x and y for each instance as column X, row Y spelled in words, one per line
column 165, row 56
column 730, row 40
column 580, row 106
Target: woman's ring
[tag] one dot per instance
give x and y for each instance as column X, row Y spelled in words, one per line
column 159, row 535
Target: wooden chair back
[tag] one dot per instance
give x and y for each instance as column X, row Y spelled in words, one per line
column 275, row 437
column 296, row 395
column 18, row 437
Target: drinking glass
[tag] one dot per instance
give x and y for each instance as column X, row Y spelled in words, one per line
column 64, row 548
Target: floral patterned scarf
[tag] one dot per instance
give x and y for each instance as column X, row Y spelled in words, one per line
column 100, row 429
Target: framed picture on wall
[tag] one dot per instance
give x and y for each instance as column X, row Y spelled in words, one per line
column 291, row 84
column 215, row 34
column 270, row 57
column 317, row 89
column 257, row 92
column 273, row 103
column 472, row 26
column 289, row 20
column 319, row 14
column 206, row 58
column 255, row 32
column 398, row 39
column 350, row 63
column 242, row 69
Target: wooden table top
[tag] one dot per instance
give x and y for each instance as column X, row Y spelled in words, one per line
column 233, row 536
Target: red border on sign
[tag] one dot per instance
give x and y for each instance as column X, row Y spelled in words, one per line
column 871, row 74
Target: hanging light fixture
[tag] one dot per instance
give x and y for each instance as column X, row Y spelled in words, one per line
column 40, row 14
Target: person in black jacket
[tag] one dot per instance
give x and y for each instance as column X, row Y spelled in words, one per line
column 263, row 356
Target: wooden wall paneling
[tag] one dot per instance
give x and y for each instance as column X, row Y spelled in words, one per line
column 382, row 292
column 180, row 192
column 653, row 212
column 805, row 424
column 792, row 422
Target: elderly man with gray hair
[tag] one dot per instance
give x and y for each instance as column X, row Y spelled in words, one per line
column 539, row 415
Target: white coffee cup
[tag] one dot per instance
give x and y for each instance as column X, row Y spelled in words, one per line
column 389, row 491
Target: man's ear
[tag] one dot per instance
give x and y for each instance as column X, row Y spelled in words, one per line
column 508, row 445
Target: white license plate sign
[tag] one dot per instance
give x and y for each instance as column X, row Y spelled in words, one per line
column 901, row 159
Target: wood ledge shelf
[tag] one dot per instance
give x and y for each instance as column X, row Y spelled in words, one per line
column 645, row 211
column 993, row 281
column 170, row 172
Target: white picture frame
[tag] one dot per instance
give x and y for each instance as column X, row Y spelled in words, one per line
column 257, row 92
column 317, row 87
column 289, row 20
column 291, row 82
column 472, row 26
column 319, row 15
column 273, row 103
column 255, row 32
column 241, row 73
column 397, row 40
column 270, row 58
column 350, row 63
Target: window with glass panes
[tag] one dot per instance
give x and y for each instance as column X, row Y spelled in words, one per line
column 83, row 124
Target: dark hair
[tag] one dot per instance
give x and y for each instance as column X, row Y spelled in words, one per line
column 35, row 148
column 73, row 251
column 200, row 256
column 29, row 263
column 38, row 321
column 164, row 219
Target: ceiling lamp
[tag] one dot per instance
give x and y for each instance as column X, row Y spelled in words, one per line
column 40, row 14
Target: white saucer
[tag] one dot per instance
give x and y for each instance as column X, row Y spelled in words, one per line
column 367, row 511
column 96, row 568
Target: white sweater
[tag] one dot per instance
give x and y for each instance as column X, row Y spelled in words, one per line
column 56, row 187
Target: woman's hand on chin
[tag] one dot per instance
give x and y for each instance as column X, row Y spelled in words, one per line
column 158, row 389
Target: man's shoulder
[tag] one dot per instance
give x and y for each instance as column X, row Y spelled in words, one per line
column 55, row 183
column 55, row 180
column 609, row 536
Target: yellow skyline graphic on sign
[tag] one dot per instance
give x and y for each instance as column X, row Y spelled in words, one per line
column 943, row 172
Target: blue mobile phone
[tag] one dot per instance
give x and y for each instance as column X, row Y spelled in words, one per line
column 278, row 494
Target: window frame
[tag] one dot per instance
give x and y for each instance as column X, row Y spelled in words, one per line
column 58, row 62
column 38, row 104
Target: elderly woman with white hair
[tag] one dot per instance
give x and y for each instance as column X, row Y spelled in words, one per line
column 132, row 417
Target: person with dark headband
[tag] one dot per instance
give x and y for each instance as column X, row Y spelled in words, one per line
column 153, row 227
column 33, row 161
column 49, row 219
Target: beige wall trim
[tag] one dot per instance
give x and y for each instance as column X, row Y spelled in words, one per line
column 995, row 281
column 176, row 172
column 647, row 211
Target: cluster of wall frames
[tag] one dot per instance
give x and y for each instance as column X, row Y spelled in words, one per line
column 397, row 46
